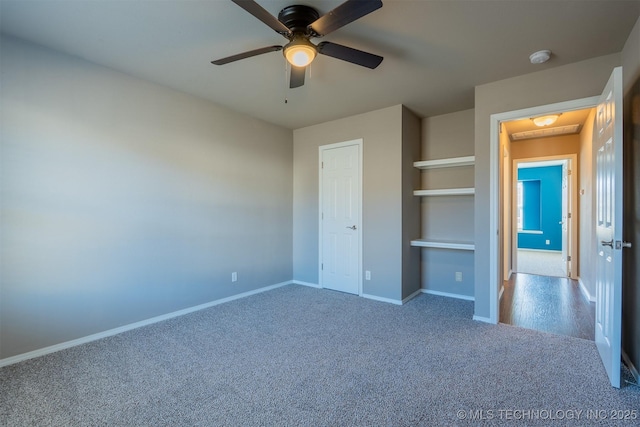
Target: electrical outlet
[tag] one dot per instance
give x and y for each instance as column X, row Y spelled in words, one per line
column 547, row 242
column 234, row 276
column 458, row 276
column 367, row 275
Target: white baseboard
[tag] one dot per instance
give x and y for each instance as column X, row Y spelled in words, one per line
column 631, row 366
column 309, row 284
column 382, row 299
column 449, row 295
column 412, row 296
column 483, row 319
column 79, row 341
column 500, row 293
column 585, row 291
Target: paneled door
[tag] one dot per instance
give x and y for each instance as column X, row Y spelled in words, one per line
column 340, row 199
column 607, row 135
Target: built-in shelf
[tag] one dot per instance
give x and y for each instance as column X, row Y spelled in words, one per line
column 445, row 192
column 443, row 244
column 445, row 163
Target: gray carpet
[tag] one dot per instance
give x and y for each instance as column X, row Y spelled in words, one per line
column 303, row 356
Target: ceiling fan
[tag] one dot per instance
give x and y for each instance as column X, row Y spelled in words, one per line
column 299, row 24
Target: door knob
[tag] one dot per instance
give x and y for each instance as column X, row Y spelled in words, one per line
column 353, row 227
column 605, row 243
column 620, row 245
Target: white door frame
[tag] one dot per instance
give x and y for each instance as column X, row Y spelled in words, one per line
column 572, row 161
column 321, row 149
column 495, row 281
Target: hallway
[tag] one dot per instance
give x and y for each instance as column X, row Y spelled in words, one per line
column 550, row 304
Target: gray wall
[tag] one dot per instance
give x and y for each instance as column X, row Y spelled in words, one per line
column 569, row 82
column 123, row 200
column 631, row 257
column 381, row 131
column 447, row 217
column 411, row 130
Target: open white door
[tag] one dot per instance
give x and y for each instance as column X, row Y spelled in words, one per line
column 607, row 136
column 340, row 218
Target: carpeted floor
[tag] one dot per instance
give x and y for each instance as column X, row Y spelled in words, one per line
column 303, row 356
column 542, row 263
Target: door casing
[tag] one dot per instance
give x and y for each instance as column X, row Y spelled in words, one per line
column 495, row 279
column 572, row 162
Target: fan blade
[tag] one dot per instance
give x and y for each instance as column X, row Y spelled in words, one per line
column 259, row 12
column 248, row 54
column 350, row 54
column 347, row 12
column 296, row 79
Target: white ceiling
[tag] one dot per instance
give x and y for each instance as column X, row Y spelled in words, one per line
column 435, row 51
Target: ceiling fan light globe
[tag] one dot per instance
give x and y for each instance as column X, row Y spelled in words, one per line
column 300, row 54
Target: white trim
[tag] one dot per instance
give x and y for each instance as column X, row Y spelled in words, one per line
column 360, row 143
column 381, row 299
column 448, row 295
column 585, row 291
column 482, row 319
column 500, row 293
column 494, row 226
column 309, row 284
column 494, row 183
column 631, row 366
column 94, row 337
column 412, row 296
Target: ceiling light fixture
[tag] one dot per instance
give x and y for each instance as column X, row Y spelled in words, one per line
column 300, row 52
column 540, row 56
column 545, row 120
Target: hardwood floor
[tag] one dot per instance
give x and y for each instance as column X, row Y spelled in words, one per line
column 550, row 304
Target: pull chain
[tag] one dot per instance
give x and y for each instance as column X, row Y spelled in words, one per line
column 286, row 101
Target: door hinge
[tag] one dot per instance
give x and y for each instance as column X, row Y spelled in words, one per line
column 321, row 165
column 321, row 266
column 569, row 258
column 569, row 172
column 569, row 215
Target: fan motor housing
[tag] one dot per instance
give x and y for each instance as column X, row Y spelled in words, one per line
column 298, row 17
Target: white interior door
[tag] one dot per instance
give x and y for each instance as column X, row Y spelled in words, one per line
column 608, row 143
column 566, row 252
column 340, row 218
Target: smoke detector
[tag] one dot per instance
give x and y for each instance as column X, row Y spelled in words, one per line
column 540, row 56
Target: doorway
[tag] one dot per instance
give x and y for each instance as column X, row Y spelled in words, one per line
column 539, row 224
column 498, row 156
column 341, row 216
column 544, row 215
